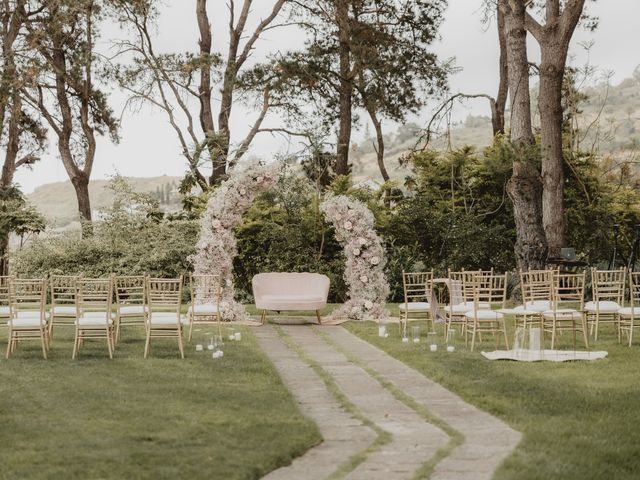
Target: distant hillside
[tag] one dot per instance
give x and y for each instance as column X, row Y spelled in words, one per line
column 57, row 201
column 608, row 122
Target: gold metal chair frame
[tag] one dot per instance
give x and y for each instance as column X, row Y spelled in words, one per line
column 630, row 317
column 131, row 297
column 568, row 292
column 93, row 302
column 417, row 288
column 607, row 285
column 165, row 300
column 63, row 291
column 463, row 279
column 491, row 289
column 205, row 290
column 28, row 300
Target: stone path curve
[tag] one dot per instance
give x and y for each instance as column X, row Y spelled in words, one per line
column 364, row 373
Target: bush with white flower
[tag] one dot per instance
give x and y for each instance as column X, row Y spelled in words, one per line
column 364, row 269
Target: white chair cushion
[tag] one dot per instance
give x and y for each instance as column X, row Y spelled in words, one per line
column 25, row 322
column 93, row 321
column 484, row 315
column 605, row 306
column 522, row 310
column 629, row 312
column 4, row 311
column 204, row 309
column 165, row 318
column 96, row 314
column 562, row 314
column 307, row 301
column 62, row 310
column 415, row 306
column 462, row 308
column 131, row 310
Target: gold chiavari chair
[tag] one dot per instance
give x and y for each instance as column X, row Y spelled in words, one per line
column 566, row 313
column 417, row 298
column 165, row 319
column 460, row 286
column 537, row 292
column 131, row 307
column 62, row 310
column 608, row 295
column 630, row 316
column 5, row 298
column 492, row 290
column 93, row 306
column 206, row 291
column 28, row 322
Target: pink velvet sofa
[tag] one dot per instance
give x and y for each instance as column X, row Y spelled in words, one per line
column 284, row 291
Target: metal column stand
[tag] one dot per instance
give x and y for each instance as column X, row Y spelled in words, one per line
column 612, row 262
column 631, row 264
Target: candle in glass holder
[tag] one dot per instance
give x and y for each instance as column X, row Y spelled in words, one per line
column 237, row 336
column 405, row 339
column 451, row 348
column 199, row 348
column 433, row 347
column 382, row 330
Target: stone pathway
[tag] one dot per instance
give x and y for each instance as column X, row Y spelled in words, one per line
column 361, row 376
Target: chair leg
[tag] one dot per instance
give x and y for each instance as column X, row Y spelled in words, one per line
column 44, row 342
column 318, row 317
column 109, row 339
column 190, row 327
column 76, row 342
column 147, row 342
column 504, row 331
column 473, row 336
column 180, row 343
column 9, row 344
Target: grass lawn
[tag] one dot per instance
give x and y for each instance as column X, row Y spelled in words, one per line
column 581, row 420
column 163, row 417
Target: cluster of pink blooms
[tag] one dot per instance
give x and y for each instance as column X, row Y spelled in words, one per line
column 354, row 226
column 217, row 245
column 364, row 268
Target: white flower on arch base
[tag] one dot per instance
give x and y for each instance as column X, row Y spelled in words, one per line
column 353, row 223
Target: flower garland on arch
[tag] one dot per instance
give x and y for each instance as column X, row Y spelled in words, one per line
column 354, row 227
column 364, row 268
column 217, row 246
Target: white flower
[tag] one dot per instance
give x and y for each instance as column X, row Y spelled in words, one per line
column 259, row 179
column 216, row 224
column 362, row 241
column 229, row 282
column 243, row 191
column 364, row 278
column 368, row 305
column 375, row 260
column 355, row 310
column 356, row 251
column 348, row 225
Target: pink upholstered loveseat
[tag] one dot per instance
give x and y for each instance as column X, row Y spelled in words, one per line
column 284, row 291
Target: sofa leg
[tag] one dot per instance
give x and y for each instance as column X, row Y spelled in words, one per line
column 263, row 317
column 318, row 316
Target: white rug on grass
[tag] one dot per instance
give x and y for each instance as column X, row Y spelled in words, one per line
column 543, row 355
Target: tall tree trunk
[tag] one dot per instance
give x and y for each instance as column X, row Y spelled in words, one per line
column 80, row 184
column 550, row 108
column 497, row 117
column 346, row 88
column 524, row 187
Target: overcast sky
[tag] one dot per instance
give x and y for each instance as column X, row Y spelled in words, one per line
column 148, row 146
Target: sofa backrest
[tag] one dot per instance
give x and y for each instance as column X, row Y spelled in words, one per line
column 290, row 283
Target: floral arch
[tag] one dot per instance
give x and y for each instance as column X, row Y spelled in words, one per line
column 354, row 227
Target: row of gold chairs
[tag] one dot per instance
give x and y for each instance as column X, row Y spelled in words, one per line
column 552, row 301
column 100, row 307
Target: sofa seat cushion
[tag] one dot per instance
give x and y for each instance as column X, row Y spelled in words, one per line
column 462, row 308
column 289, row 301
column 415, row 307
column 604, row 306
column 204, row 309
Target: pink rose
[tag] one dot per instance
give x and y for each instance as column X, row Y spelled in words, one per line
column 348, row 225
column 364, row 278
column 375, row 260
column 356, row 251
